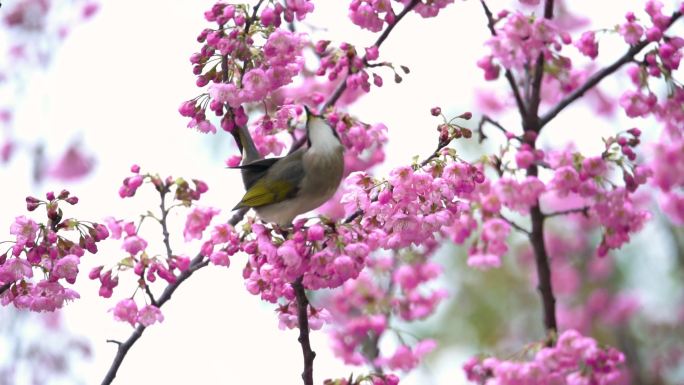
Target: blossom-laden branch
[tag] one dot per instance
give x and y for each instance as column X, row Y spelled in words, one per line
column 343, row 84
column 123, row 347
column 522, row 110
column 145, row 266
column 197, row 263
column 600, row 75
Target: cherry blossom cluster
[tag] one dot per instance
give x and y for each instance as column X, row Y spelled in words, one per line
column 520, row 41
column 324, row 257
column 46, row 249
column 373, row 14
column 364, row 143
column 415, row 203
column 392, row 287
column 658, row 65
column 575, row 359
column 145, row 265
column 345, row 62
column 237, row 66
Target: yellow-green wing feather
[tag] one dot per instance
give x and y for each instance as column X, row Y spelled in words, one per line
column 266, row 192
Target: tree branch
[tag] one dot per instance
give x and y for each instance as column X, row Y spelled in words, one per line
column 531, row 123
column 516, row 226
column 543, row 270
column 343, row 84
column 162, row 221
column 598, row 76
column 487, row 119
column 197, row 263
column 507, row 73
column 303, row 319
column 578, row 210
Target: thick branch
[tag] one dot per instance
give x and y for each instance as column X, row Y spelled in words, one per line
column 507, row 74
column 543, row 270
column 303, row 318
column 343, row 84
column 598, row 76
column 531, row 123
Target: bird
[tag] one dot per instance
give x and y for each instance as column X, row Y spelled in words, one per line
column 279, row 189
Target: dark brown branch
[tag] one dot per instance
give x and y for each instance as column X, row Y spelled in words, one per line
column 507, row 73
column 578, row 210
column 303, row 319
column 516, row 226
column 531, row 123
column 548, row 9
column 5, row 287
column 343, row 84
column 487, row 119
column 153, row 301
column 541, row 257
column 598, row 76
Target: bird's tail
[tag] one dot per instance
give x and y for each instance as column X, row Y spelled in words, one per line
column 246, row 145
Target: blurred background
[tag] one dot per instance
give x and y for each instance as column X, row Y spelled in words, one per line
column 88, row 89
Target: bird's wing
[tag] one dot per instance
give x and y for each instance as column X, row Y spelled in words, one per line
column 280, row 182
column 258, row 165
column 253, row 171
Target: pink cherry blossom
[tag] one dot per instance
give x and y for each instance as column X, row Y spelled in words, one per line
column 148, row 315
column 67, row 268
column 126, row 310
column 198, row 220
column 24, row 229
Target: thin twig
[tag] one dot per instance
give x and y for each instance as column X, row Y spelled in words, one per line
column 153, row 301
column 507, row 73
column 487, row 119
column 303, row 319
column 598, row 76
column 578, row 210
column 163, row 220
column 515, row 225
